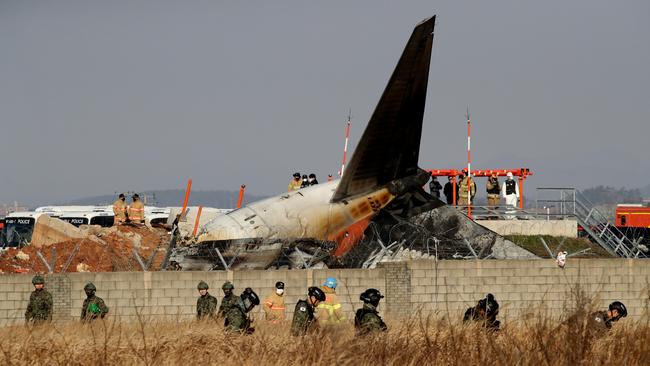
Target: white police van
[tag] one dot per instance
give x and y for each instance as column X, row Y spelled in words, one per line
column 102, row 216
column 19, row 227
column 156, row 215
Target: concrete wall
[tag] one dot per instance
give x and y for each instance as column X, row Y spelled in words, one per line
column 446, row 287
column 568, row 228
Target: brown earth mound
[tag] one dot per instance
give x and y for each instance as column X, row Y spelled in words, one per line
column 113, row 252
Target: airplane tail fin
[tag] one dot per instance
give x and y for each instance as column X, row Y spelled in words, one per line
column 390, row 146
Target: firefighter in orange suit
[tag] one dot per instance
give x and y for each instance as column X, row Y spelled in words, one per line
column 329, row 311
column 119, row 210
column 274, row 304
column 136, row 210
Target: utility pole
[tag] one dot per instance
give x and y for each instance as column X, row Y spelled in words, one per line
column 469, row 166
column 347, row 137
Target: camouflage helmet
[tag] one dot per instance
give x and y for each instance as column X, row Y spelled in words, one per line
column 316, row 292
column 227, row 286
column 90, row 287
column 371, row 296
column 202, row 286
column 620, row 307
column 38, row 279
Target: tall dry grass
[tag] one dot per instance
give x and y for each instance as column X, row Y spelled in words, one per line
column 536, row 340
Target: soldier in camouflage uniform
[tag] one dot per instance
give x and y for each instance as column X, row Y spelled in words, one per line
column 303, row 315
column 601, row 321
column 93, row 307
column 228, row 299
column 367, row 319
column 40, row 305
column 206, row 305
column 485, row 312
column 237, row 319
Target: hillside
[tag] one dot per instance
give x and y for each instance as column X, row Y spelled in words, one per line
column 174, row 197
column 610, row 195
column 645, row 191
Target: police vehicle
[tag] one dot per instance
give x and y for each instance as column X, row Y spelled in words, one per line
column 57, row 211
column 156, row 215
column 102, row 216
column 19, row 227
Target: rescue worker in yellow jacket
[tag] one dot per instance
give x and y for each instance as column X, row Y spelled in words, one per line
column 295, row 183
column 329, row 311
column 119, row 210
column 274, row 304
column 466, row 187
column 136, row 210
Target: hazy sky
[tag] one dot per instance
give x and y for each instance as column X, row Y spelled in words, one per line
column 105, row 96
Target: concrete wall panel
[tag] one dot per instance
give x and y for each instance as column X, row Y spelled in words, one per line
column 445, row 287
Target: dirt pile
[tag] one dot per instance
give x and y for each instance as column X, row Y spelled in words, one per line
column 102, row 250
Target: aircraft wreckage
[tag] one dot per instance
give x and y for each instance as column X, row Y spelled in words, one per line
column 376, row 211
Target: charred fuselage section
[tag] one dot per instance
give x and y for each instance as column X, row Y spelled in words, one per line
column 414, row 225
column 255, row 253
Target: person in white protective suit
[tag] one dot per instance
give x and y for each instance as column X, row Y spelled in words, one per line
column 510, row 191
column 561, row 259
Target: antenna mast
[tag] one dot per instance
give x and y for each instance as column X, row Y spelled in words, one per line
column 469, row 166
column 347, row 137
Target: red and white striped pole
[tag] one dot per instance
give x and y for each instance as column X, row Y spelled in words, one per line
column 469, row 167
column 345, row 148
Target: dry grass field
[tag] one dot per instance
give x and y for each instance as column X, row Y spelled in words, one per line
column 421, row 340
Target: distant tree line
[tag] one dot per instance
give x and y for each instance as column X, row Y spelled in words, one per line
column 609, row 195
column 175, row 197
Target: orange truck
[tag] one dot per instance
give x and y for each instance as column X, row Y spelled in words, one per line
column 633, row 216
column 634, row 221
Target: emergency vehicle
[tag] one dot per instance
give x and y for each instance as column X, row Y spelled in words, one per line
column 19, row 227
column 156, row 215
column 634, row 221
column 102, row 216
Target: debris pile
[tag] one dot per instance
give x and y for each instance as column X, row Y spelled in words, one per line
column 426, row 229
column 49, row 230
column 92, row 249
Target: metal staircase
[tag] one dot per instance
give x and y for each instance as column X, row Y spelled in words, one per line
column 603, row 232
column 572, row 203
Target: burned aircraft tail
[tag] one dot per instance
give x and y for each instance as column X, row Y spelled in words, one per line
column 390, row 145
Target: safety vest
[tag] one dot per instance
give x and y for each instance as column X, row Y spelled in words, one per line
column 119, row 211
column 493, row 188
column 510, row 186
column 294, row 185
column 136, row 212
column 329, row 311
